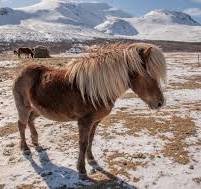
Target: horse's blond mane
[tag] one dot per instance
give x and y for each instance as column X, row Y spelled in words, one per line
column 103, row 75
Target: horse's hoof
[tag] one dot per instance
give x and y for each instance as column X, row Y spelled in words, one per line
column 25, row 149
column 40, row 148
column 27, row 152
column 83, row 176
column 92, row 162
column 82, row 171
column 95, row 165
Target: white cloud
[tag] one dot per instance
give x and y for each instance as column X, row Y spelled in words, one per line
column 193, row 11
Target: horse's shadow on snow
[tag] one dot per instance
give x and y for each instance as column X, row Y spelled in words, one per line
column 58, row 177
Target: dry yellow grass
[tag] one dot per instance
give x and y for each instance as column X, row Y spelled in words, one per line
column 181, row 128
column 8, row 129
column 120, row 163
column 193, row 82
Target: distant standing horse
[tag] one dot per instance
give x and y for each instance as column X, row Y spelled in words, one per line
column 24, row 50
column 87, row 89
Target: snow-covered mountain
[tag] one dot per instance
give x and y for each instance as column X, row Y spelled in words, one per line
column 55, row 20
column 167, row 25
column 117, row 27
column 75, row 13
column 166, row 17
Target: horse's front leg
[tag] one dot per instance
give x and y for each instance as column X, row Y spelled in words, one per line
column 85, row 125
column 89, row 153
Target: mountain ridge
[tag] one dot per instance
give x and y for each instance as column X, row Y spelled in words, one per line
column 171, row 17
column 58, row 20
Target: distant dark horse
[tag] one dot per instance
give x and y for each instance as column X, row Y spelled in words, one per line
column 24, row 50
column 87, row 89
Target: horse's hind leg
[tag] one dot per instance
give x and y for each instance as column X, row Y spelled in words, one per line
column 22, row 122
column 24, row 109
column 34, row 134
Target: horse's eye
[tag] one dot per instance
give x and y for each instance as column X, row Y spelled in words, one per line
column 132, row 75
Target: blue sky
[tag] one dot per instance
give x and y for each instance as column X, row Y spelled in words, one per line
column 135, row 7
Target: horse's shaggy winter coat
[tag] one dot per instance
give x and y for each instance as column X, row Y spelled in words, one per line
column 87, row 89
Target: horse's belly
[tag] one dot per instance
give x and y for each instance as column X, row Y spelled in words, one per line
column 55, row 116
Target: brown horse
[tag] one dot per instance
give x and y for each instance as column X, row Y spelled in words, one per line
column 87, row 89
column 24, row 50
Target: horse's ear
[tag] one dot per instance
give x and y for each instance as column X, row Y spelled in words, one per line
column 147, row 52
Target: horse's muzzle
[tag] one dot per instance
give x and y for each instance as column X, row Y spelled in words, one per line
column 157, row 105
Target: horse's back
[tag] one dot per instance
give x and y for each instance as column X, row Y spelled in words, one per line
column 51, row 94
column 25, row 50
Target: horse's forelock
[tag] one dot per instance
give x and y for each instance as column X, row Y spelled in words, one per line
column 155, row 65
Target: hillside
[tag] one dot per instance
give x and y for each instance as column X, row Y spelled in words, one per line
column 167, row 25
column 166, row 17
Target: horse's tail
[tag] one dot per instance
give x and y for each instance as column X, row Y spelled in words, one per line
column 22, row 87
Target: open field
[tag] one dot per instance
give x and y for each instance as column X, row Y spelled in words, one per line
column 136, row 147
column 63, row 46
